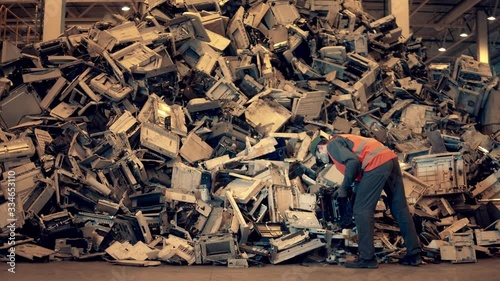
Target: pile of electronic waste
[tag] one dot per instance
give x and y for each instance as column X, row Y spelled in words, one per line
column 182, row 136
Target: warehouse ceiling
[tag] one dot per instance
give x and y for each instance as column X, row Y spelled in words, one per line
column 432, row 20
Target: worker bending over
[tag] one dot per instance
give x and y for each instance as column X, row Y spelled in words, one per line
column 373, row 167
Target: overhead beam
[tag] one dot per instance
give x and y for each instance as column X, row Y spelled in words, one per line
column 436, row 40
column 433, row 26
column 419, row 7
column 495, row 59
column 456, row 46
column 107, row 8
column 68, row 20
column 87, row 10
column 71, row 13
column 26, row 11
column 455, row 13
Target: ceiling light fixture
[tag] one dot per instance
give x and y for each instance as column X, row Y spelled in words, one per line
column 463, row 34
column 125, row 8
column 491, row 18
column 442, row 49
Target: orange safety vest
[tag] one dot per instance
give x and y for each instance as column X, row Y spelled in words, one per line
column 370, row 152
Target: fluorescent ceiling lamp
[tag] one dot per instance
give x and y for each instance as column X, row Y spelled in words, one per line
column 463, row 34
column 442, row 49
column 125, row 8
column 492, row 18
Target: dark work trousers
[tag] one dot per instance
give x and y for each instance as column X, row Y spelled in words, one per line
column 388, row 177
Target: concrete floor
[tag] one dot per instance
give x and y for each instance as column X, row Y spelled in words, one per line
column 484, row 269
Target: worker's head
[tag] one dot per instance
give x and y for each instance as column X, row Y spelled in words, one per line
column 318, row 149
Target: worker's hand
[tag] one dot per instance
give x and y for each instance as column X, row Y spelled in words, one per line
column 327, row 190
column 340, row 193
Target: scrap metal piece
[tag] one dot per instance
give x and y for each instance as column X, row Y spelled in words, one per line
column 437, row 142
column 469, row 70
column 254, row 250
column 199, row 55
column 267, row 116
column 120, row 34
column 487, row 237
column 330, row 176
column 189, row 179
column 412, row 148
column 194, row 149
column 36, row 200
column 437, row 70
column 280, row 200
column 214, row 222
column 278, row 38
column 284, row 12
column 461, row 249
column 449, row 231
column 243, row 190
column 415, row 117
column 255, row 14
column 175, row 246
column 233, row 132
column 470, row 101
column 236, row 31
column 159, row 140
column 226, row 92
column 146, row 233
column 126, row 124
column 489, row 187
column 309, row 106
column 136, row 263
column 179, row 195
column 137, row 58
column 336, row 53
column 63, row 110
column 159, row 112
column 107, row 207
column 444, row 173
column 110, row 87
column 303, row 220
column 215, row 248
column 237, row 263
column 243, row 226
column 189, row 25
column 16, row 149
column 21, row 102
column 250, row 86
column 289, row 241
column 128, row 228
column 31, row 75
column 217, row 41
column 397, row 106
column 295, row 251
column 122, row 251
column 386, row 33
column 34, row 252
column 415, row 189
column 203, row 208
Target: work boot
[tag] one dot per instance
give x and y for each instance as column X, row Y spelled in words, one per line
column 362, row 263
column 414, row 260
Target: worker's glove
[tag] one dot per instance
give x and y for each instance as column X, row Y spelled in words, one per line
column 341, row 193
column 327, row 190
